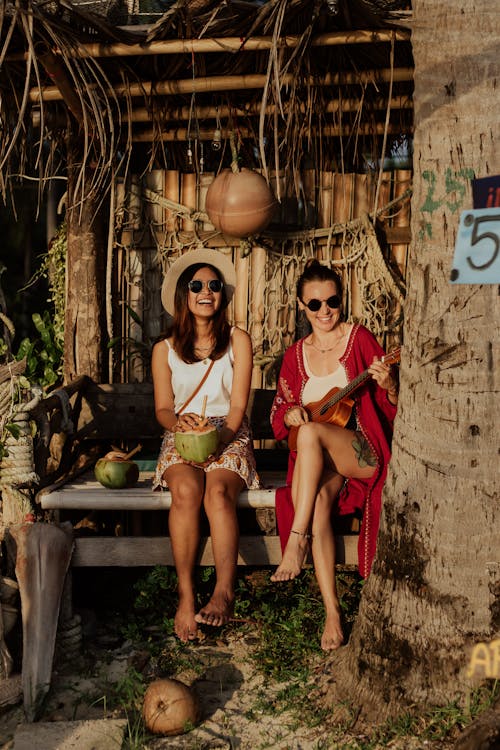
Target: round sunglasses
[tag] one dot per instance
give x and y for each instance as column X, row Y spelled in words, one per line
column 314, row 305
column 214, row 285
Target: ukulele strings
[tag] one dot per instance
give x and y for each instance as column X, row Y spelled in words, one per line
column 340, row 394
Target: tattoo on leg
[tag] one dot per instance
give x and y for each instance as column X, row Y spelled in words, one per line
column 364, row 453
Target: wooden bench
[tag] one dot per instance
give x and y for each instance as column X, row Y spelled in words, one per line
column 123, row 414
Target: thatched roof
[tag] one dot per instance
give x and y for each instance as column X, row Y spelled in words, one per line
column 142, row 82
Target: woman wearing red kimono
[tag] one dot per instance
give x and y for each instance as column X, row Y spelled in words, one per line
column 334, row 469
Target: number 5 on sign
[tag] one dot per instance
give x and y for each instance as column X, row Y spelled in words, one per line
column 477, row 249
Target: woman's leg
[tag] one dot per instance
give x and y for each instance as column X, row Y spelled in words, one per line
column 307, row 473
column 221, row 493
column 323, row 552
column 319, row 446
column 186, row 484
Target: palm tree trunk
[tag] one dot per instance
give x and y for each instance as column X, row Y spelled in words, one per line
column 85, row 336
column 435, row 585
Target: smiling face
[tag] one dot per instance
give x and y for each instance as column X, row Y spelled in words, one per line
column 326, row 318
column 204, row 303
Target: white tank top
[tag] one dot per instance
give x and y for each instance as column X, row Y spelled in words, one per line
column 217, row 387
column 318, row 385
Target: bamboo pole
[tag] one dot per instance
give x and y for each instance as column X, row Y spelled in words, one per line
column 235, row 44
column 402, row 180
column 188, row 198
column 229, row 83
column 226, row 44
column 152, row 278
column 54, row 66
column 119, row 314
column 145, row 114
column 204, row 182
column 179, row 114
column 172, row 193
column 342, row 194
column 326, row 213
column 258, row 285
column 328, row 131
column 134, row 292
column 240, row 299
column 360, row 207
column 310, row 194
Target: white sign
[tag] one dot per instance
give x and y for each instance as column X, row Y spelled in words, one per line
column 477, row 249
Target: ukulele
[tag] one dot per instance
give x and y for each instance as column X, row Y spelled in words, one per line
column 335, row 407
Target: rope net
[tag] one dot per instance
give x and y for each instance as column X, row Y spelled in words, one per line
column 151, row 231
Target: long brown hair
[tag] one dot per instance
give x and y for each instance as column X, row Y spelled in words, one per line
column 183, row 329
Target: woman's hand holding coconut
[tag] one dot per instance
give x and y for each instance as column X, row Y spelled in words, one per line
column 204, row 363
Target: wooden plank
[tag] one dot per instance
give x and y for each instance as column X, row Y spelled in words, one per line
column 86, row 493
column 146, row 551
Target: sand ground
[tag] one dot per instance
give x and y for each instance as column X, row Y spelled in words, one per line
column 240, row 709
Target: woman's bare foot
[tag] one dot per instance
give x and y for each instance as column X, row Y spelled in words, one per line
column 185, row 626
column 293, row 557
column 218, row 611
column 332, row 637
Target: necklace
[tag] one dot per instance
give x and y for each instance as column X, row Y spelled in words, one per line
column 323, row 351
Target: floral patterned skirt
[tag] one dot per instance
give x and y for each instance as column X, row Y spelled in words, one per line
column 238, row 456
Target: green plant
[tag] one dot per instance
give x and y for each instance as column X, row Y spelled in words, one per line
column 128, row 692
column 53, row 268
column 44, row 354
column 44, row 351
column 436, row 725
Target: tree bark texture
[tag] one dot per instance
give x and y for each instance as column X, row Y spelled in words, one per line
column 85, row 337
column 434, row 589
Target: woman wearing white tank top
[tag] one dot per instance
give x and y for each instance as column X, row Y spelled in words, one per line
column 196, row 291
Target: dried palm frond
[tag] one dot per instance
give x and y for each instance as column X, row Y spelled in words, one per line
column 94, row 104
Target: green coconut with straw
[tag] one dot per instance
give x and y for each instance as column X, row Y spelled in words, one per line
column 198, row 443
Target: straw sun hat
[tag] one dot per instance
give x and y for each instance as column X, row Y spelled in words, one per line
column 202, row 255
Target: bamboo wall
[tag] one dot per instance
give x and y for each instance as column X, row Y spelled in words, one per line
column 148, row 236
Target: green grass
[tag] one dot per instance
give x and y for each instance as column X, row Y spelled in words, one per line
column 283, row 624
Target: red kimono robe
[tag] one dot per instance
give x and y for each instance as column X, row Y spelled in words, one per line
column 375, row 416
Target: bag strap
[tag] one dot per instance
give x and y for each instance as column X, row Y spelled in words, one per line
column 196, row 390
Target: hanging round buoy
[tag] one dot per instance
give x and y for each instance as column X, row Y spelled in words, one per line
column 240, row 204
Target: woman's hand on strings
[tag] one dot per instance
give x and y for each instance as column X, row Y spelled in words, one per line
column 296, row 416
column 382, row 373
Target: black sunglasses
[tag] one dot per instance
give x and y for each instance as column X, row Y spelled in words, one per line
column 195, row 285
column 314, row 305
